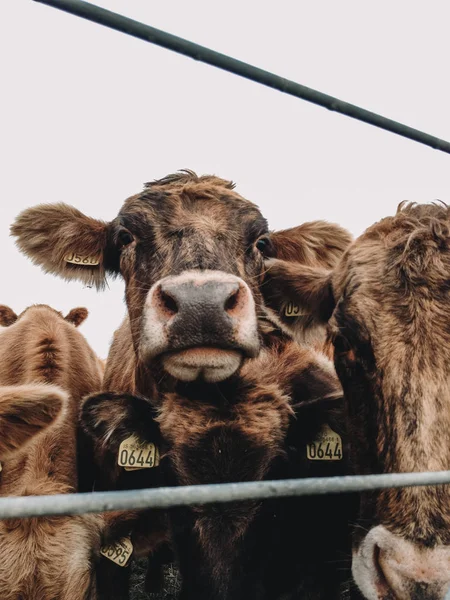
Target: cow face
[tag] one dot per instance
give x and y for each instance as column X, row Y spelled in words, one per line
column 191, row 252
column 192, row 261
column 386, row 305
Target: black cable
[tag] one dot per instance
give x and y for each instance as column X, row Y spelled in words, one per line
column 227, row 63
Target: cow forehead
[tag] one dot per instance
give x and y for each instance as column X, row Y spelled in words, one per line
column 393, row 290
column 196, row 206
column 42, row 308
column 389, row 305
column 399, row 263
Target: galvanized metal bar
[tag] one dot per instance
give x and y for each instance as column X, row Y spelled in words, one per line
column 96, row 502
column 152, row 35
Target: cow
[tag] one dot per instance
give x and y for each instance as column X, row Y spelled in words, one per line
column 201, row 369
column 46, row 367
column 258, row 426
column 385, row 304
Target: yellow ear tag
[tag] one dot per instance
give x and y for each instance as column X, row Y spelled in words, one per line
column 327, row 446
column 292, row 310
column 119, row 552
column 135, row 454
column 79, row 259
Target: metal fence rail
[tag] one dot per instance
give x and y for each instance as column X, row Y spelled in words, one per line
column 227, row 63
column 96, row 502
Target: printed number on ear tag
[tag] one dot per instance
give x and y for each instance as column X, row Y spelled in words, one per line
column 135, row 454
column 119, row 552
column 327, row 446
column 292, row 310
column 79, row 259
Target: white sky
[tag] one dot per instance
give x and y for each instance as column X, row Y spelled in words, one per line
column 88, row 114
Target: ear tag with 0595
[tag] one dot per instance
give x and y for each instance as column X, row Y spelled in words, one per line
column 118, row 552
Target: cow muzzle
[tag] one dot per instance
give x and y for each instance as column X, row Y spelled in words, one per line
column 201, row 323
column 389, row 567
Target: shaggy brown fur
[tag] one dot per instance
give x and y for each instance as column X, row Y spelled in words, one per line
column 47, row 558
column 180, row 222
column 185, row 222
column 310, row 244
column 76, row 316
column 317, row 245
column 387, row 305
column 253, row 428
column 40, row 231
column 108, row 419
column 42, row 346
column 25, row 411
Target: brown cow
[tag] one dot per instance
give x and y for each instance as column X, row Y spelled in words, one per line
column 386, row 303
column 46, row 558
column 197, row 339
column 255, row 427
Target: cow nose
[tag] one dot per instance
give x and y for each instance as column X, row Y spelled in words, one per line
column 390, row 566
column 220, row 298
column 200, row 309
column 416, row 573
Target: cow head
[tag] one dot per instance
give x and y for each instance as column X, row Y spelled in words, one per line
column 76, row 316
column 191, row 252
column 25, row 411
column 386, row 305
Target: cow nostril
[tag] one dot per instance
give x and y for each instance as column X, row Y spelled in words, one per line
column 232, row 301
column 168, row 302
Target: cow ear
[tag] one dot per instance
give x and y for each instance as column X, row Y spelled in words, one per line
column 313, row 244
column 317, row 398
column 77, row 316
column 108, row 418
column 297, row 291
column 297, row 287
column 7, row 316
column 25, row 411
column 65, row 242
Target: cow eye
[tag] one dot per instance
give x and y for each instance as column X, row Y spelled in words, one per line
column 263, row 245
column 124, row 238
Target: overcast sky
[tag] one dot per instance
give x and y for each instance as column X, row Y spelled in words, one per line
column 88, row 114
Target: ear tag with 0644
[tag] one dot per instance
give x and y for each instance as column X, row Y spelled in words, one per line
column 326, row 446
column 134, row 454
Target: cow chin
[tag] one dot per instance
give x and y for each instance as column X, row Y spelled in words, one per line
column 210, row 364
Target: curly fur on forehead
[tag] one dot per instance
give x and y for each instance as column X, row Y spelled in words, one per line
column 176, row 198
column 417, row 239
column 185, row 176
